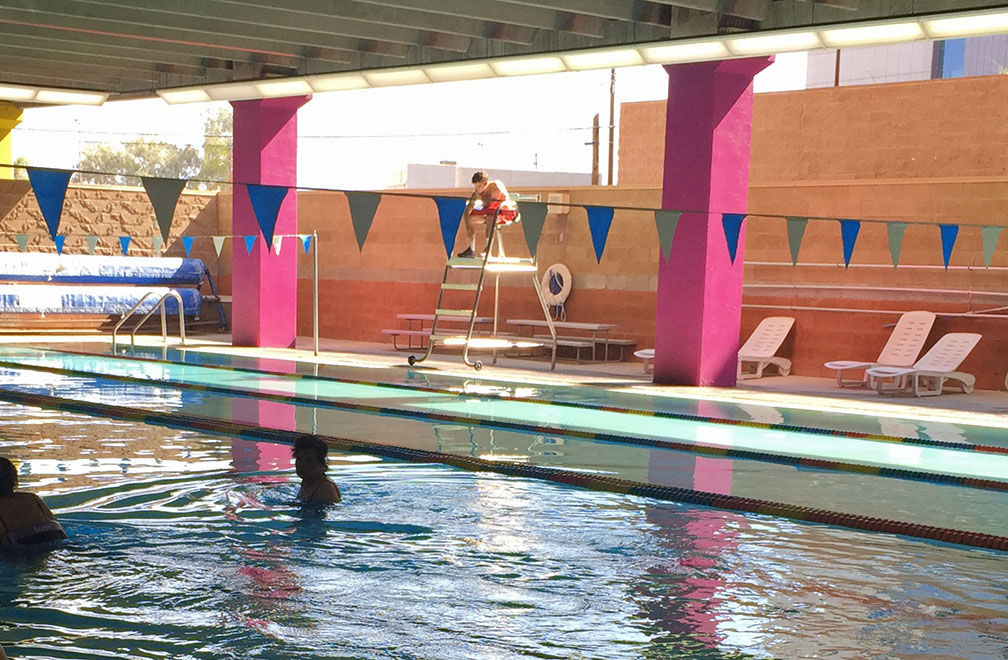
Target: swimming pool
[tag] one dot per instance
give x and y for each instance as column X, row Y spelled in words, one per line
column 187, row 545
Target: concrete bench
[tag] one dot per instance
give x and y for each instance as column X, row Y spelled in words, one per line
column 587, row 342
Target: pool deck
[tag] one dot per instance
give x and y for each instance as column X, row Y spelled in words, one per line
column 979, row 406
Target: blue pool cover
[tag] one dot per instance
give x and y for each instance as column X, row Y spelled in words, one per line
column 99, row 269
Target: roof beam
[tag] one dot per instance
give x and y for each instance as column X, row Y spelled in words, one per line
column 300, row 27
column 497, row 11
column 751, row 9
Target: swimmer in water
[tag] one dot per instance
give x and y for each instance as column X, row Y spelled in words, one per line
column 25, row 520
column 310, row 464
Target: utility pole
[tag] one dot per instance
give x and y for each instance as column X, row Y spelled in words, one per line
column 595, row 145
column 612, row 107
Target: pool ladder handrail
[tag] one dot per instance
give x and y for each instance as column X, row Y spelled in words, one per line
column 160, row 304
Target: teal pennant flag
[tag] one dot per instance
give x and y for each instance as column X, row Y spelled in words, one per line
column 306, row 241
column 187, row 242
column 732, row 224
column 249, row 242
column 163, row 194
column 59, row 240
column 666, row 220
column 894, row 232
column 363, row 206
column 533, row 215
column 124, row 243
column 990, row 239
column 599, row 221
column 795, row 233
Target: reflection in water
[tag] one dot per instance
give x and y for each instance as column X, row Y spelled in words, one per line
column 199, row 550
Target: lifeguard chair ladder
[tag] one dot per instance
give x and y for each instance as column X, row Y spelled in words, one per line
column 499, row 264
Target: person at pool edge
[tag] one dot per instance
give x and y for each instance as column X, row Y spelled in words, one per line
column 486, row 191
column 25, row 520
column 310, row 464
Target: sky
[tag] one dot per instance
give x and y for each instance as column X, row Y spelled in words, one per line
column 363, row 139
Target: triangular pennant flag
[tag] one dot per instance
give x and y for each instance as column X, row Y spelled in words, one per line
column 157, row 243
column 990, row 239
column 948, row 239
column 795, row 232
column 124, row 242
column 848, row 235
column 50, row 190
column 306, row 241
column 163, row 194
column 666, row 221
column 266, row 202
column 187, row 242
column 895, row 231
column 277, row 242
column 362, row 210
column 732, row 224
column 218, row 243
column 249, row 242
column 22, row 242
column 450, row 215
column 92, row 243
column 599, row 221
column 59, row 240
column 533, row 218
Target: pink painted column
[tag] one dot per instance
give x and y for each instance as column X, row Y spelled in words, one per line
column 707, row 132
column 264, row 284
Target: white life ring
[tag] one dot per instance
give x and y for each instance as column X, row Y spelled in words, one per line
column 562, row 273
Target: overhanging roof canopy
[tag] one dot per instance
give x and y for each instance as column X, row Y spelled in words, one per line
column 129, row 49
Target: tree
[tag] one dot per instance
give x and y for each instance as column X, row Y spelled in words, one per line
column 113, row 164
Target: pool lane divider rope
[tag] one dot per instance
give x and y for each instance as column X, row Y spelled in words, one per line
column 580, row 479
column 860, row 435
column 594, row 436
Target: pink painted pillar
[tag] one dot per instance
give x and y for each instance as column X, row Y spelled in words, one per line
column 264, row 284
column 707, row 132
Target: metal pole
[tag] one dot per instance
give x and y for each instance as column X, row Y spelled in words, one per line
column 612, row 119
column 315, row 287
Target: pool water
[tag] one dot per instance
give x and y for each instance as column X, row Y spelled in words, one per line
column 188, row 545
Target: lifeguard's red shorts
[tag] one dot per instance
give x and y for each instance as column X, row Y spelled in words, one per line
column 505, row 212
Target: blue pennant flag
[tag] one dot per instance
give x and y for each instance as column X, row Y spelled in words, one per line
column 306, row 242
column 59, row 240
column 249, row 242
column 450, row 215
column 848, row 234
column 50, row 190
column 124, row 242
column 732, row 225
column 187, row 242
column 948, row 239
column 266, row 202
column 599, row 221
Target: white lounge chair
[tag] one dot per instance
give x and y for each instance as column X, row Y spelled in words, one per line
column 902, row 348
column 928, row 375
column 759, row 351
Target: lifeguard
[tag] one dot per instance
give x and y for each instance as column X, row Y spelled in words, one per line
column 489, row 198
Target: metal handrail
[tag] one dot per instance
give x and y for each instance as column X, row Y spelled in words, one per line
column 160, row 304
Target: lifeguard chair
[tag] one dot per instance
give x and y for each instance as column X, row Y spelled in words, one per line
column 499, row 215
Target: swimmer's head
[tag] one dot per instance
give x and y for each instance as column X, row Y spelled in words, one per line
column 8, row 477
column 309, row 455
